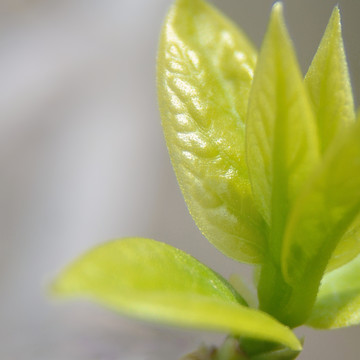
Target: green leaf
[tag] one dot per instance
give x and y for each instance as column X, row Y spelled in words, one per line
column 338, row 301
column 205, row 70
column 282, row 144
column 325, row 210
column 328, row 83
column 154, row 281
column 282, row 152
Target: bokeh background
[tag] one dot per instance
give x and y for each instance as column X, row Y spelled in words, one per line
column 83, row 160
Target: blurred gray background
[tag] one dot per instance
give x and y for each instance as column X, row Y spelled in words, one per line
column 83, row 160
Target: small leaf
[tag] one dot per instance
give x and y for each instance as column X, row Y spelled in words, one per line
column 328, row 83
column 325, row 210
column 282, row 144
column 205, row 70
column 338, row 301
column 154, row 281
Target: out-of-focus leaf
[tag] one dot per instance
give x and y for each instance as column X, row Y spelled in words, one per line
column 338, row 302
column 205, row 70
column 282, row 143
column 282, row 354
column 154, row 281
column 347, row 248
column 325, row 210
column 328, row 83
column 243, row 288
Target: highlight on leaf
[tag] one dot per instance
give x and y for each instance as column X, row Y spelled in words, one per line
column 205, row 70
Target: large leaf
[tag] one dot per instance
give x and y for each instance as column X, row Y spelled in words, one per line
column 325, row 210
column 328, row 83
column 154, row 281
column 205, row 70
column 338, row 301
column 282, row 144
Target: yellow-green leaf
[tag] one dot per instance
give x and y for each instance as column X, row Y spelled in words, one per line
column 325, row 210
column 282, row 143
column 328, row 83
column 338, row 301
column 205, row 70
column 154, row 281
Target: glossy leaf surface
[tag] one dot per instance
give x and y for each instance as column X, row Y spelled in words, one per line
column 154, row 281
column 328, row 206
column 205, row 70
column 282, row 144
column 338, row 301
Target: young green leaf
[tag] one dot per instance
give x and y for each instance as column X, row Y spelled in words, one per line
column 205, row 70
column 282, row 144
column 338, row 302
column 328, row 83
column 325, row 210
column 154, row 281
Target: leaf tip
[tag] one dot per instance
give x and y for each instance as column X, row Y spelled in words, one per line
column 336, row 10
column 278, row 6
column 57, row 288
column 335, row 18
column 277, row 21
column 298, row 345
column 188, row 3
column 277, row 10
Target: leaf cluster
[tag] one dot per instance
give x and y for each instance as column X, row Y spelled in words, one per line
column 269, row 165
